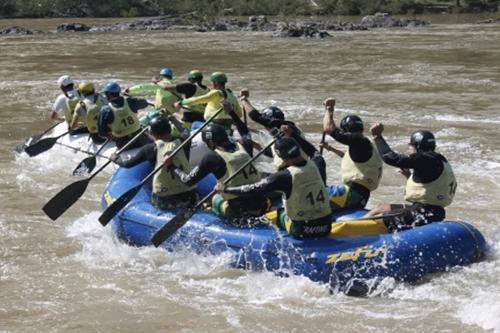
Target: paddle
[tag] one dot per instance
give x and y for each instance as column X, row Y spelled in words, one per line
column 71, row 193
column 322, row 141
column 37, row 137
column 89, row 163
column 377, row 217
column 42, row 145
column 185, row 214
column 125, row 198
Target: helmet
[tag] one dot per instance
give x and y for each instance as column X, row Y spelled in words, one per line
column 64, row 81
column 86, row 88
column 194, row 75
column 423, row 140
column 214, row 132
column 112, row 87
column 218, row 77
column 273, row 112
column 351, row 123
column 287, row 148
column 160, row 125
column 167, row 72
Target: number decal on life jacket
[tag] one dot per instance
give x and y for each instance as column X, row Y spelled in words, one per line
column 251, row 171
column 128, row 121
column 319, row 197
column 453, row 188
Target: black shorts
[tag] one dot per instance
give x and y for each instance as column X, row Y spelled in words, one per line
column 417, row 214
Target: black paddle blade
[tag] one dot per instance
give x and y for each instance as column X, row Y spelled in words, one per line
column 118, row 204
column 86, row 166
column 171, row 226
column 65, row 199
column 40, row 146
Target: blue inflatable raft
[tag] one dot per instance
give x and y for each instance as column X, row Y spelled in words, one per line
column 349, row 264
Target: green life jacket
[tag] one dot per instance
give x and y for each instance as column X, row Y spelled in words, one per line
column 308, row 199
column 439, row 192
column 199, row 92
column 367, row 174
column 165, row 99
column 216, row 103
column 165, row 183
column 234, row 160
column 125, row 121
column 89, row 111
column 71, row 103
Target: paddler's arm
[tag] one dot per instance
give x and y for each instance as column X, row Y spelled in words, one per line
column 212, row 96
column 146, row 153
column 184, row 132
column 246, row 137
column 106, row 117
column 137, row 104
column 210, row 163
column 280, row 181
column 386, row 153
column 144, row 88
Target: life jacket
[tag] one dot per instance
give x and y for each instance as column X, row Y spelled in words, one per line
column 308, row 199
column 89, row 112
column 71, row 103
column 234, row 160
column 367, row 174
column 125, row 121
column 439, row 192
column 165, row 183
column 215, row 104
column 165, row 99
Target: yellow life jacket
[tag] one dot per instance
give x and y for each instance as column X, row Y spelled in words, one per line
column 309, row 199
column 234, row 160
column 367, row 174
column 439, row 192
column 199, row 92
column 165, row 183
column 89, row 112
column 125, row 121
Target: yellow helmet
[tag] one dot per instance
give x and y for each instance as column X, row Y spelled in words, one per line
column 86, row 87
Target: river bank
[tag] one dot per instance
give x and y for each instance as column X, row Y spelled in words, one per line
column 309, row 27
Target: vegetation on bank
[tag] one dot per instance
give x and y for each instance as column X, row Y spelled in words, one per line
column 116, row 8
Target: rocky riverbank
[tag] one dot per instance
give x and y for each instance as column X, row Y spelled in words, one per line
column 307, row 28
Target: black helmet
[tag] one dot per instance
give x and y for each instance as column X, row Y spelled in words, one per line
column 423, row 140
column 160, row 125
column 287, row 148
column 351, row 123
column 273, row 112
column 214, row 132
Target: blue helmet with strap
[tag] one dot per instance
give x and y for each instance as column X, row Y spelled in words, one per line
column 112, row 87
column 166, row 72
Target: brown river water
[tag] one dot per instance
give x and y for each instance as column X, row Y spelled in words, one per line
column 72, row 275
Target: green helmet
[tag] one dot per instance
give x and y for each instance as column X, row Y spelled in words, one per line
column 194, row 75
column 218, row 77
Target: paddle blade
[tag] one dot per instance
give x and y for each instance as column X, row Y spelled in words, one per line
column 86, row 166
column 40, row 146
column 65, row 199
column 169, row 228
column 118, row 205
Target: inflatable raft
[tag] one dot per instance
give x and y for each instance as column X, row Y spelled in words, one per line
column 349, row 264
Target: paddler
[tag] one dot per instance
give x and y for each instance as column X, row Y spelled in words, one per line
column 87, row 111
column 430, row 186
column 361, row 166
column 118, row 118
column 164, row 100
column 223, row 159
column 193, row 88
column 213, row 100
column 307, row 212
column 168, row 191
column 272, row 117
column 65, row 104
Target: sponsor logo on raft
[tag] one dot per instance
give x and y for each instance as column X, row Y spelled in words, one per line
column 361, row 252
column 109, row 199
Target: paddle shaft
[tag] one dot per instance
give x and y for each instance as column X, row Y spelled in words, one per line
column 46, row 131
column 322, row 141
column 179, row 220
column 373, row 217
column 90, row 161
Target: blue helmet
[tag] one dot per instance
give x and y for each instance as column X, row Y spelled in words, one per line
column 167, row 72
column 112, row 87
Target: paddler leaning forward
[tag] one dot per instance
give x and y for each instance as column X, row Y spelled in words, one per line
column 118, row 119
column 168, row 191
column 306, row 204
column 222, row 160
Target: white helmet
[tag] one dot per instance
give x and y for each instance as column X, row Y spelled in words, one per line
column 65, row 81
